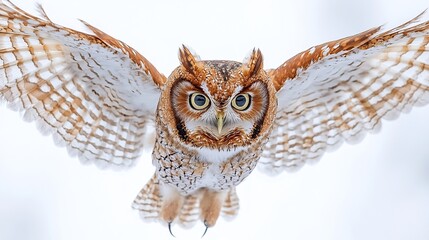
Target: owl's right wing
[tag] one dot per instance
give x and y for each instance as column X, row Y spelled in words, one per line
column 93, row 93
column 338, row 91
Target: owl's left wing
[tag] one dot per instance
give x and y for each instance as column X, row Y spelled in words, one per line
column 93, row 93
column 340, row 90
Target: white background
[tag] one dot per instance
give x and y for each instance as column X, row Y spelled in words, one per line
column 378, row 189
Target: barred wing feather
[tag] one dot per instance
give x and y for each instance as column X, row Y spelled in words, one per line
column 340, row 90
column 93, row 93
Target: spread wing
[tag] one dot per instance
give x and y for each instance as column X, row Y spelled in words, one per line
column 340, row 90
column 93, row 93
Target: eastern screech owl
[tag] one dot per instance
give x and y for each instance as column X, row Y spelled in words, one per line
column 215, row 120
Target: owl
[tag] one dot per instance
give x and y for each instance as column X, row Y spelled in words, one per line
column 215, row 120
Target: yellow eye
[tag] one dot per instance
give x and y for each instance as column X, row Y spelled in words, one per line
column 198, row 101
column 241, row 102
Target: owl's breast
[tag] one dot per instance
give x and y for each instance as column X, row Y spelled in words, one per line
column 189, row 170
column 227, row 169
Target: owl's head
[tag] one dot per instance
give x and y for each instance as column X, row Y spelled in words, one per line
column 218, row 104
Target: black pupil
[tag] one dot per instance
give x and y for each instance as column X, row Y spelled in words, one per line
column 240, row 101
column 200, row 100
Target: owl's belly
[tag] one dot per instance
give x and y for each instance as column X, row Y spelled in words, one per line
column 216, row 170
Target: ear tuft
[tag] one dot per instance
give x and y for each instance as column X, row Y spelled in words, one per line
column 188, row 59
column 253, row 63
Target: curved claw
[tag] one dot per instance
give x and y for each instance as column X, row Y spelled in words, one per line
column 169, row 229
column 205, row 231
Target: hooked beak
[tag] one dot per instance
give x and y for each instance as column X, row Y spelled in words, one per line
column 220, row 116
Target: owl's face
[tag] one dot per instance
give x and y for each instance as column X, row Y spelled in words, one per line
column 219, row 104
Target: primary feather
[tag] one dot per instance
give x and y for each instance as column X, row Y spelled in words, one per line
column 95, row 95
column 340, row 90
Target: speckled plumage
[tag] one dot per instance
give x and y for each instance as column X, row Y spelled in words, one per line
column 190, row 159
column 215, row 120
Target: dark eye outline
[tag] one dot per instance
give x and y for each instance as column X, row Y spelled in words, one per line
column 246, row 104
column 193, row 103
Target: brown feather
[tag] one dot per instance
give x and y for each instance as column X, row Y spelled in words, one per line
column 189, row 61
column 301, row 61
column 135, row 56
column 254, row 64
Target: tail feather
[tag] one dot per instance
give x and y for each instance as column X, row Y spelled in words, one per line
column 231, row 205
column 149, row 201
column 189, row 214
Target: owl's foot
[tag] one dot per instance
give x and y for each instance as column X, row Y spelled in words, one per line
column 171, row 205
column 210, row 206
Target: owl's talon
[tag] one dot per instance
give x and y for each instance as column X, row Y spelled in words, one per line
column 205, row 231
column 169, row 229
